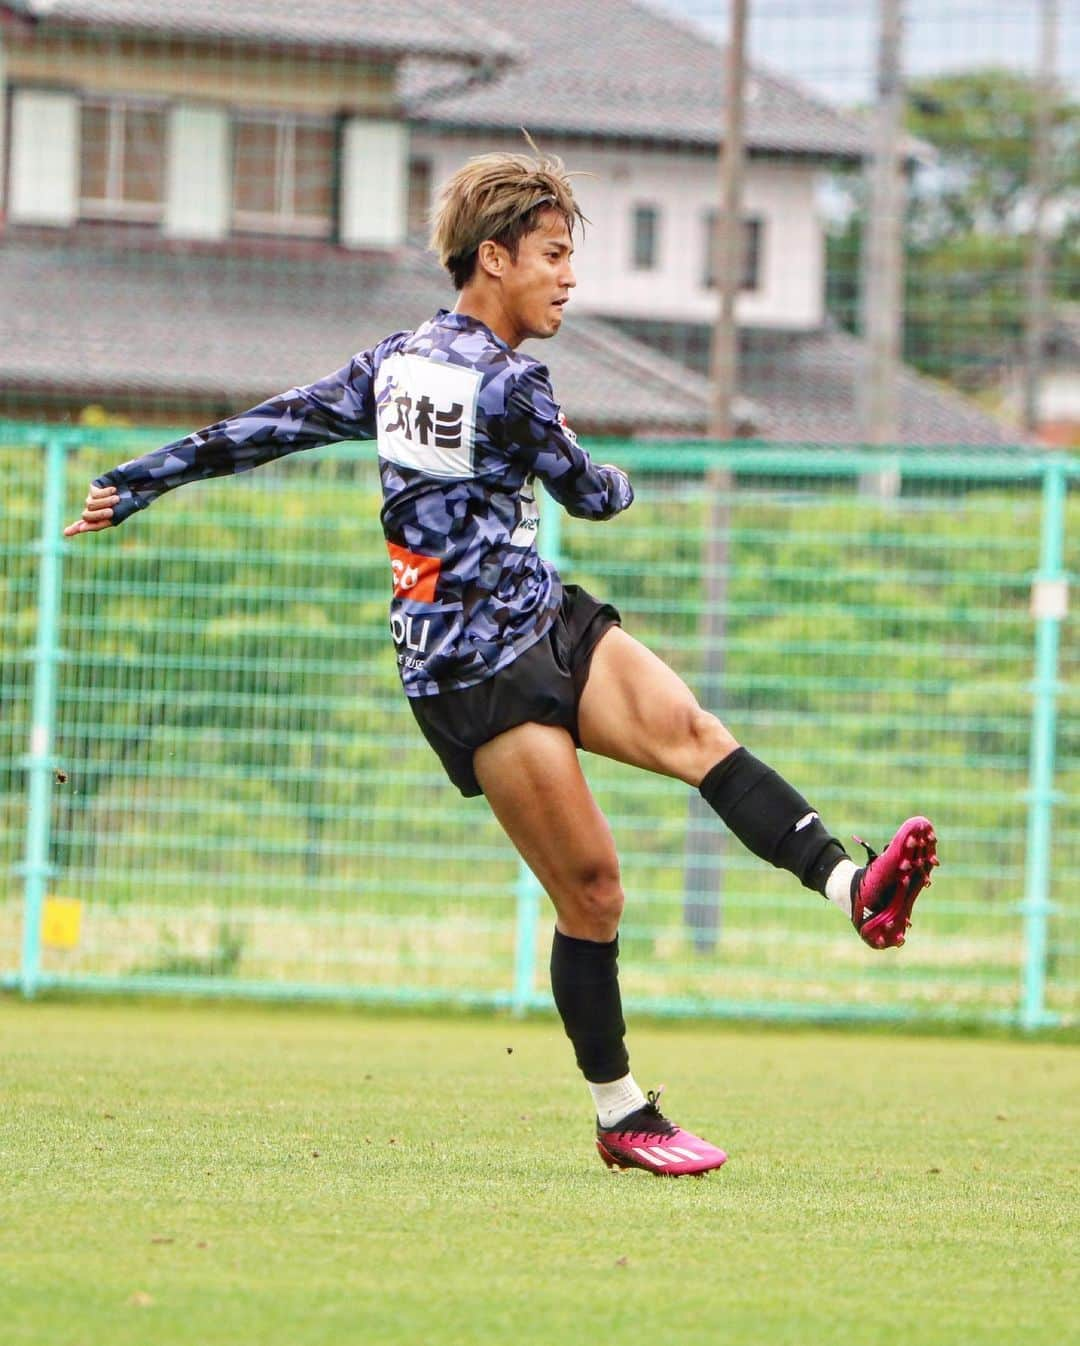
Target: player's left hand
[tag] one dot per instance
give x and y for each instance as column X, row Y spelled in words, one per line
column 98, row 511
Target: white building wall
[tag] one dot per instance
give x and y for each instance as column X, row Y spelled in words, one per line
column 1059, row 396
column 791, row 291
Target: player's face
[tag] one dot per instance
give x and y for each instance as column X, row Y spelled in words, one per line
column 537, row 285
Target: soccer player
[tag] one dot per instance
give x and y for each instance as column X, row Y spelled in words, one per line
column 508, row 670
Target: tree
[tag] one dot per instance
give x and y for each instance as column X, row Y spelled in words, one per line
column 982, row 127
column 968, row 216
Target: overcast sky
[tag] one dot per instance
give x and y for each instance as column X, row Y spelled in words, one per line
column 830, row 44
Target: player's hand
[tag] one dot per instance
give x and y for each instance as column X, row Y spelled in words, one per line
column 98, row 512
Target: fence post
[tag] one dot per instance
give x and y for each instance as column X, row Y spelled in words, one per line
column 706, row 844
column 1049, row 596
column 39, row 762
column 529, row 892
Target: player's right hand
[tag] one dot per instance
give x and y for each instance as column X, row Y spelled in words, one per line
column 98, row 512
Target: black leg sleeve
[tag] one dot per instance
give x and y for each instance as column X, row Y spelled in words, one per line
column 771, row 818
column 585, row 983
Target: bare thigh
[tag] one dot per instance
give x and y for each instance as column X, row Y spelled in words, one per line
column 533, row 781
column 636, row 709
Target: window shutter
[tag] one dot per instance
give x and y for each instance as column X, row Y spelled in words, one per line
column 197, row 184
column 44, row 157
column 374, row 183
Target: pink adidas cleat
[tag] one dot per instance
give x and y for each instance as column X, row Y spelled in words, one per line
column 883, row 893
column 646, row 1139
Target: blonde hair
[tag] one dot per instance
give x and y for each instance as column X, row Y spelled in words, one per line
column 499, row 197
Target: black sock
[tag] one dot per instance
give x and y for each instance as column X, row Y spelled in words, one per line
column 585, row 983
column 771, row 818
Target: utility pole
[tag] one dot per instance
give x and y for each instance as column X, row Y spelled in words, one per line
column 1038, row 259
column 3, row 124
column 702, row 872
column 728, row 238
column 883, row 269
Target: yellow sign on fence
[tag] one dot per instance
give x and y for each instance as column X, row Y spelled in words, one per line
column 61, row 922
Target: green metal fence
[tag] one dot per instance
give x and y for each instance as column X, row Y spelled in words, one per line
column 204, row 753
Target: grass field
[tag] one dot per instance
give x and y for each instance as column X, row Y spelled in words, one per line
column 260, row 1176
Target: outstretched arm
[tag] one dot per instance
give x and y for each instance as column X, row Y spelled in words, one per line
column 339, row 407
column 537, row 433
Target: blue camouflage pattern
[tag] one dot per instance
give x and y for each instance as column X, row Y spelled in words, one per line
column 465, row 426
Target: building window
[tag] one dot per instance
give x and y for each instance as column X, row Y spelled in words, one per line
column 122, row 161
column 646, row 238
column 283, row 174
column 750, row 271
column 418, row 206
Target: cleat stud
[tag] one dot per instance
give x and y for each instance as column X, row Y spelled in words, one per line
column 905, row 866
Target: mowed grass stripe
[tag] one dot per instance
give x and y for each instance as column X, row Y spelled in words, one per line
column 243, row 1174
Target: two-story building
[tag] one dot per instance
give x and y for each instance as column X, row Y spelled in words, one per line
column 205, row 203
column 635, row 100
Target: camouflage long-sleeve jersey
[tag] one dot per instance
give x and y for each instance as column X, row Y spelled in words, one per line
column 464, row 424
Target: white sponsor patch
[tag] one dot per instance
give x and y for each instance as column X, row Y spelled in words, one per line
column 524, row 535
column 426, row 414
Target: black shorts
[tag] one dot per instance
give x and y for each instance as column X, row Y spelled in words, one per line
column 541, row 686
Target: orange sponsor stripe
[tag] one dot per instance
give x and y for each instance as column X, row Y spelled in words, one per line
column 415, row 576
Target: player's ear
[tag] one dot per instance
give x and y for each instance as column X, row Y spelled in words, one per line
column 492, row 258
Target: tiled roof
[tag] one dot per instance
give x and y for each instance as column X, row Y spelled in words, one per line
column 228, row 331
column 1063, row 338
column 808, row 384
column 612, row 68
column 616, row 68
column 435, row 28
